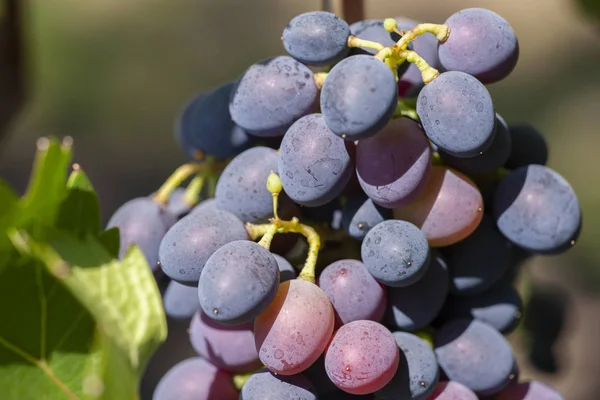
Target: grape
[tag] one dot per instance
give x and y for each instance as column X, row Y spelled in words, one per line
column 189, row 243
column 230, row 348
column 317, row 38
column 415, row 306
column 449, row 209
column 354, row 293
column 490, row 159
column 393, row 166
column 180, row 301
column 362, row 357
column 360, row 214
column 532, row 390
column 265, row 385
column 142, row 222
column 417, row 374
column 195, row 379
column 208, row 205
column 474, row 354
column 528, row 146
column 238, row 282
column 358, row 97
column 395, row 253
column 314, row 164
column 242, row 189
column 499, row 306
column 271, row 95
column 425, row 45
column 176, row 204
column 452, row 391
column 536, row 209
column 478, row 261
column 286, row 270
column 295, row 329
column 183, row 131
column 481, row 43
column 457, row 114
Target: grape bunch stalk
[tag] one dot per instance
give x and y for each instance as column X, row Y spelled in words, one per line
column 419, row 204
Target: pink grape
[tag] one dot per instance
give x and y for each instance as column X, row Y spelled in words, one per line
column 452, row 391
column 294, row 330
column 362, row 357
column 533, row 390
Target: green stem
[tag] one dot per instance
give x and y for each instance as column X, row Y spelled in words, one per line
column 428, row 73
column 405, row 109
column 441, row 32
column 353, row 41
column 173, row 182
column 268, row 236
column 191, row 197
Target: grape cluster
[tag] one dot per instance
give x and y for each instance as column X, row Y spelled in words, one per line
column 417, row 200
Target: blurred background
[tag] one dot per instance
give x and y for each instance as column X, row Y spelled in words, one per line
column 114, row 74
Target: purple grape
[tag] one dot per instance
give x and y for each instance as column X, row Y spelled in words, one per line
column 180, row 301
column 267, row 386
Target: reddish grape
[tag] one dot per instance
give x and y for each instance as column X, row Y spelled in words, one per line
column 452, row 391
column 362, row 357
column 449, row 209
column 294, row 330
column 530, row 391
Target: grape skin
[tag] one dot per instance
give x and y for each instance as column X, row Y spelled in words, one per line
column 142, row 222
column 362, row 357
column 238, row 282
column 314, row 164
column 316, row 38
column 481, row 43
column 271, row 95
column 532, row 390
column 295, row 329
column 208, row 205
column 358, row 97
column 457, row 114
column 354, row 293
column 286, row 270
column 451, row 390
column 265, row 385
column 360, row 214
column 183, row 132
column 189, row 243
column 180, row 301
column 393, row 166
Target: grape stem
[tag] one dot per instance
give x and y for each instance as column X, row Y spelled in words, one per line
column 428, row 73
column 177, row 177
column 353, row 41
column 319, row 78
column 405, row 109
column 192, row 192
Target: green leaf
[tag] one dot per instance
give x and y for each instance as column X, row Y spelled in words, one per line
column 111, row 239
column 79, row 212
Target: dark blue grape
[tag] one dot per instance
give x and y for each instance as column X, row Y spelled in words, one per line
column 358, row 97
column 314, row 164
column 490, row 159
column 180, row 301
column 183, row 130
column 396, row 253
column 474, row 354
column 478, row 261
column 360, row 214
column 457, row 113
column 189, row 243
column 417, row 374
column 481, row 43
column 317, row 38
column 267, row 386
column 195, row 379
column 272, row 95
column 208, row 205
column 528, row 146
column 499, row 306
column 286, row 270
column 238, row 282
column 536, row 209
column 142, row 222
column 414, row 307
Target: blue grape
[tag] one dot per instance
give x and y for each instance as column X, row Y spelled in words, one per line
column 360, row 214
column 536, row 209
column 481, row 43
column 358, row 97
column 414, row 307
column 451, row 390
column 532, row 390
column 195, row 379
column 314, row 164
column 417, row 374
column 474, row 354
column 316, row 38
column 272, row 95
column 393, row 166
column 354, row 293
column 208, row 205
column 528, row 146
column 265, row 385
column 499, row 306
column 142, row 222
column 457, row 114
column 183, row 131
column 180, row 301
column 490, row 159
column 189, row 243
column 286, row 270
column 478, row 261
column 396, row 253
column 242, row 187
column 238, row 282
column 425, row 45
column 177, row 205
